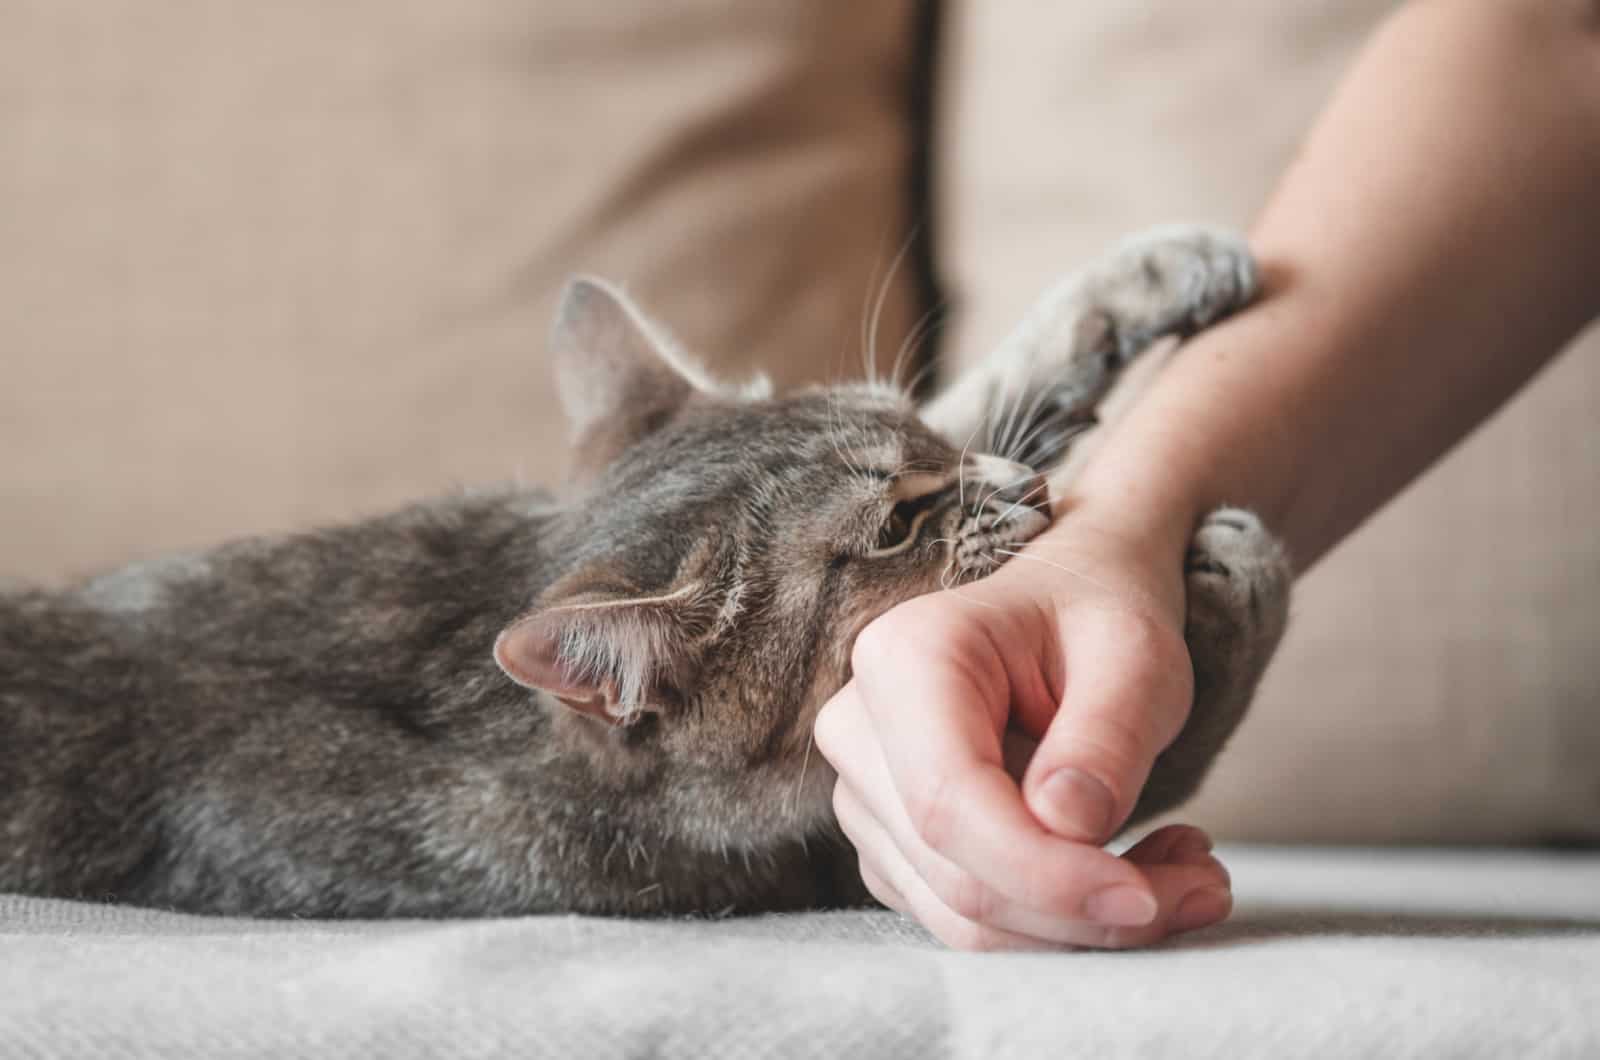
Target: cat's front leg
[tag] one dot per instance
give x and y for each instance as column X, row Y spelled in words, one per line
column 1033, row 395
column 1238, row 582
column 1172, row 280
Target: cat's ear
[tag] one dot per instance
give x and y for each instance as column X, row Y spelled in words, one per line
column 618, row 373
column 607, row 652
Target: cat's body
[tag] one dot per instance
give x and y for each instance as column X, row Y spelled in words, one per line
column 600, row 702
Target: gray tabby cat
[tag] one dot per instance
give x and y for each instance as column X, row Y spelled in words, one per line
column 511, row 702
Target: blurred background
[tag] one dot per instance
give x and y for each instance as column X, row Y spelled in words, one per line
column 270, row 265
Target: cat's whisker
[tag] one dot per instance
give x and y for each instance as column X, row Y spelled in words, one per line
column 1002, row 444
column 963, row 597
column 1055, row 448
column 923, row 330
column 834, row 435
column 867, row 295
column 794, row 802
column 1009, row 485
column 1020, row 501
column 961, row 469
column 911, row 340
column 917, row 380
column 1034, row 408
column 950, row 576
column 1058, row 566
column 1001, row 426
column 1012, row 420
column 1042, row 396
column 955, row 590
column 1026, row 440
column 883, row 297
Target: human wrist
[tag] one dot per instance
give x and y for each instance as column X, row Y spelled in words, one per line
column 1144, row 515
column 1109, row 541
column 1210, row 430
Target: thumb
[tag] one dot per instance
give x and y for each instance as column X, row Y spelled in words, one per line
column 1127, row 686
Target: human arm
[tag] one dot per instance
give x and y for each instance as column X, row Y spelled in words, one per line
column 1437, row 240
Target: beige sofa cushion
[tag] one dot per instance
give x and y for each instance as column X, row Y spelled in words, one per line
column 273, row 264
column 1440, row 680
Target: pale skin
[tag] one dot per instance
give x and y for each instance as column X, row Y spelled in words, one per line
column 1436, row 242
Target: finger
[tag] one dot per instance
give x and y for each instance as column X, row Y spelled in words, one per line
column 956, row 903
column 1208, row 903
column 868, row 809
column 1006, row 927
column 882, row 864
column 1192, row 897
column 1127, row 690
column 881, row 859
column 1193, row 888
column 1181, row 844
column 945, row 792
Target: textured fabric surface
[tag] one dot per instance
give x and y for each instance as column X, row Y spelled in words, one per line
column 1439, row 680
column 274, row 264
column 1331, row 953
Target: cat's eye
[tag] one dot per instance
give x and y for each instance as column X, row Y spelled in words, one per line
column 900, row 526
column 897, row 527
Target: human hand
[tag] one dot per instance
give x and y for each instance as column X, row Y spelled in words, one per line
column 1077, row 644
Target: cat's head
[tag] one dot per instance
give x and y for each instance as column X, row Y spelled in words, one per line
column 725, row 546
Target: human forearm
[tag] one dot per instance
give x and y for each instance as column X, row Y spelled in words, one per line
column 1436, row 242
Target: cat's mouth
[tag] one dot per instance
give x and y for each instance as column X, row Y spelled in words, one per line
column 1008, row 511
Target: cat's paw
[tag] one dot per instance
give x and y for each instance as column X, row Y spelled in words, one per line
column 1174, row 280
column 1238, row 581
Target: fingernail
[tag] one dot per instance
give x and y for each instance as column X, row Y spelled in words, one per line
column 1076, row 805
column 1120, row 905
column 1201, row 908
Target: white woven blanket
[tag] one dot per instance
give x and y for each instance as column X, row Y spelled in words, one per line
column 1331, row 953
